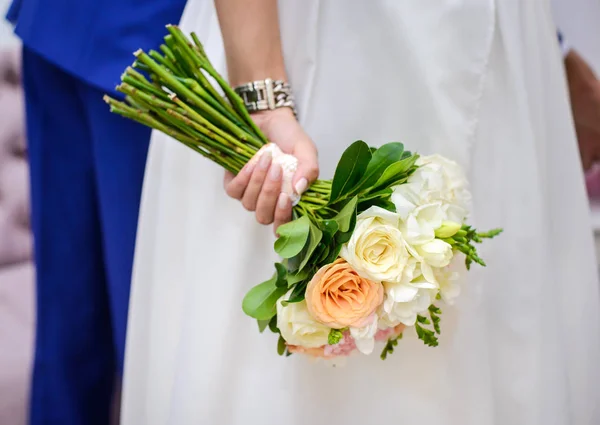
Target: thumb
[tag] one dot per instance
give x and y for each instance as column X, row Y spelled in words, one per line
column 308, row 165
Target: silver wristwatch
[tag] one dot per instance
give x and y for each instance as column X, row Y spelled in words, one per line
column 266, row 94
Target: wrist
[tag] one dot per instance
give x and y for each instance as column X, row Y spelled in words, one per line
column 268, row 94
column 263, row 117
column 242, row 73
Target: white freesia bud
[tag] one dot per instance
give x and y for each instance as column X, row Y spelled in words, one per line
column 449, row 279
column 377, row 250
column 436, row 253
column 448, row 229
column 394, row 313
column 298, row 327
column 419, row 226
column 409, row 297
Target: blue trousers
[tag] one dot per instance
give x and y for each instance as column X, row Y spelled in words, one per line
column 87, row 168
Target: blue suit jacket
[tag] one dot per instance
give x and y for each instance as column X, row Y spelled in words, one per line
column 93, row 39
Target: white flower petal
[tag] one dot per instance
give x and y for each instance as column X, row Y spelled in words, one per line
column 402, row 292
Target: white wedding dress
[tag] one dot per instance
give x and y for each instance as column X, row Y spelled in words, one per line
column 479, row 81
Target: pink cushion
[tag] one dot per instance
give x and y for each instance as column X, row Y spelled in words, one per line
column 15, row 238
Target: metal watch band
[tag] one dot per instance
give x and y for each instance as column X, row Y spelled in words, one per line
column 266, row 94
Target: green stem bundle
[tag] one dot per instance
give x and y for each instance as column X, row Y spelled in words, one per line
column 170, row 91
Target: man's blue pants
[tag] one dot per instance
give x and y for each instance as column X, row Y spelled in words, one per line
column 87, row 168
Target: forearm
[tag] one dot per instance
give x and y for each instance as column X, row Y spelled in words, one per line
column 251, row 38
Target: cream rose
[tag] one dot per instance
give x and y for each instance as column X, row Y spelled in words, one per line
column 298, row 327
column 338, row 297
column 377, row 249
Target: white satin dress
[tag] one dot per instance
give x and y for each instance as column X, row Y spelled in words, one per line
column 479, row 81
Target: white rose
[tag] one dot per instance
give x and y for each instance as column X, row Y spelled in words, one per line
column 364, row 337
column 437, row 179
column 377, row 250
column 435, row 253
column 298, row 327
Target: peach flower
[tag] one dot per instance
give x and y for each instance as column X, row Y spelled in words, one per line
column 338, row 297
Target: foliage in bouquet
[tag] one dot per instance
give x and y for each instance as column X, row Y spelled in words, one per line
column 382, row 255
column 368, row 254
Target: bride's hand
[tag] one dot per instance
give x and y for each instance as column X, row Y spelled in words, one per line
column 258, row 185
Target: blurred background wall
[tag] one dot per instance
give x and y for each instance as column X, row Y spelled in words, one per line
column 580, row 22
column 6, row 35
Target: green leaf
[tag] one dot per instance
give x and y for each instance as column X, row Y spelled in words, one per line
column 260, row 301
column 281, row 272
column 292, row 237
column 330, row 228
column 434, row 313
column 298, row 293
column 346, row 220
column 281, row 347
column 396, row 171
column 389, row 347
column 292, row 279
column 424, row 320
column 273, row 325
column 333, row 254
column 262, row 325
column 350, row 169
column 335, row 336
column 313, row 240
column 426, row 335
column 380, row 199
column 381, row 160
column 346, row 215
column 324, row 255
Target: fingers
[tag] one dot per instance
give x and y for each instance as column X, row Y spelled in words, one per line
column 283, row 212
column 267, row 199
column 235, row 186
column 250, row 198
column 308, row 165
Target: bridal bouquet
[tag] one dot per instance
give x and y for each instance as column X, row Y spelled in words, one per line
column 369, row 255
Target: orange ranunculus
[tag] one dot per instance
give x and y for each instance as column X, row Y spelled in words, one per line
column 338, row 297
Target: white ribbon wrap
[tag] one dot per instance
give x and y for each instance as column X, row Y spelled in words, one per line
column 289, row 165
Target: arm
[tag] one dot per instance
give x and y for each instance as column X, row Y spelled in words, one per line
column 253, row 51
column 584, row 91
column 250, row 31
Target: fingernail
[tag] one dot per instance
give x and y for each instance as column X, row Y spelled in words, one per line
column 282, row 202
column 249, row 167
column 275, row 172
column 301, row 186
column 265, row 160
